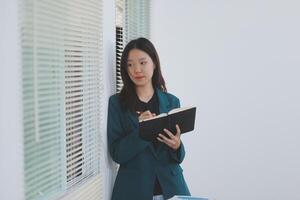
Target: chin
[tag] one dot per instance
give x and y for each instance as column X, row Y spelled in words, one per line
column 139, row 84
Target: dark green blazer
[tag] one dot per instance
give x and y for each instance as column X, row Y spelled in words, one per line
column 139, row 161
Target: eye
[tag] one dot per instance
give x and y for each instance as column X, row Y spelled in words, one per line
column 129, row 64
column 143, row 62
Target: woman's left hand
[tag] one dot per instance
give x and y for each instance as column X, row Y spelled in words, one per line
column 173, row 141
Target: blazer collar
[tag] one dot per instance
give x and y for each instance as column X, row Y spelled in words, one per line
column 163, row 101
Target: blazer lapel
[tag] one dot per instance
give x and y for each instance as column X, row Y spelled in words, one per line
column 134, row 119
column 164, row 105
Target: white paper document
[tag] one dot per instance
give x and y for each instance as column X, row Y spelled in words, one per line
column 179, row 197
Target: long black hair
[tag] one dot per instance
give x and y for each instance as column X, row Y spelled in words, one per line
column 128, row 96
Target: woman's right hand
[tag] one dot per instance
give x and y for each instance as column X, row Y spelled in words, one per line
column 145, row 115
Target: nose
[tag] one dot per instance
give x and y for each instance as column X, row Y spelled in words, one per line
column 137, row 69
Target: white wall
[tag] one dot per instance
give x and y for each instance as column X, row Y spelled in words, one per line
column 11, row 138
column 239, row 63
column 109, row 48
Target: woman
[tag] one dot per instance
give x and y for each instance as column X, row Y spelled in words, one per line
column 148, row 170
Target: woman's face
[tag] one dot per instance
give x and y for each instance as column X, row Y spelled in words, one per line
column 140, row 67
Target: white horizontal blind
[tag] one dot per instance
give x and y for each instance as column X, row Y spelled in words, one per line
column 89, row 190
column 119, row 49
column 119, row 41
column 119, row 12
column 62, row 86
column 83, row 50
column 136, row 22
column 132, row 21
column 43, row 101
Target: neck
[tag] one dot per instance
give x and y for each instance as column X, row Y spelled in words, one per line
column 145, row 93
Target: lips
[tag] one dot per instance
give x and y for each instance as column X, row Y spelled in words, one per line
column 139, row 77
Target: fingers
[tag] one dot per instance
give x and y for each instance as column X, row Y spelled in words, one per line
column 178, row 133
column 172, row 141
column 166, row 140
column 145, row 115
column 169, row 133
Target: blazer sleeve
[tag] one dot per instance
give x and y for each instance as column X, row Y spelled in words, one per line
column 123, row 146
column 179, row 154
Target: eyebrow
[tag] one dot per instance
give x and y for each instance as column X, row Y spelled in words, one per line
column 144, row 58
